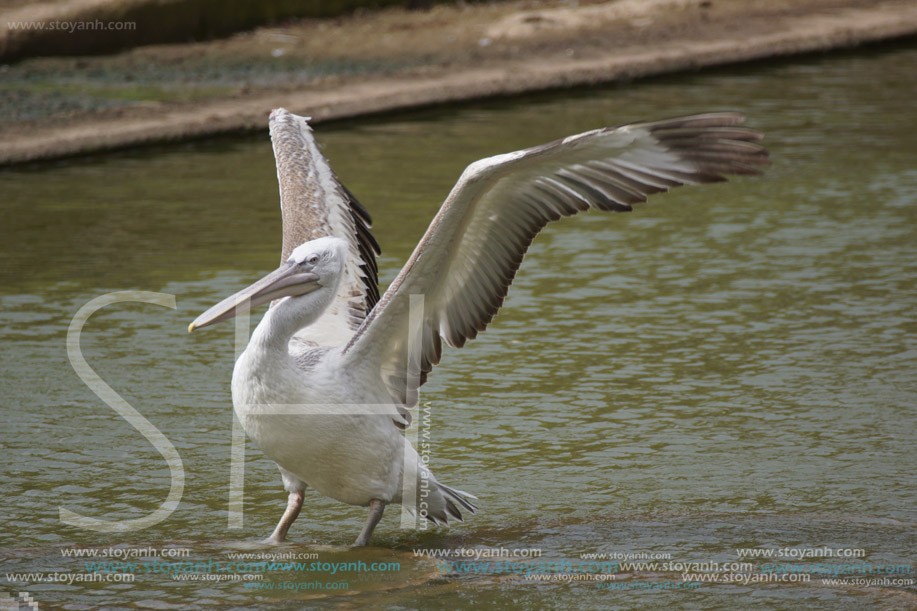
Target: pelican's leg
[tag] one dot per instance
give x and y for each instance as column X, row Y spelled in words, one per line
column 376, row 507
column 294, row 504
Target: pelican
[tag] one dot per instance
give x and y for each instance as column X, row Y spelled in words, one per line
column 326, row 381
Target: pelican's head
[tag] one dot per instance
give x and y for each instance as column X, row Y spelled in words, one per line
column 312, row 266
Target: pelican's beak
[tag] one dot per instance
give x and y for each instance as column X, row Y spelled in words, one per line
column 286, row 281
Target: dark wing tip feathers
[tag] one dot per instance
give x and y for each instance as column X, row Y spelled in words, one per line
column 367, row 245
column 715, row 143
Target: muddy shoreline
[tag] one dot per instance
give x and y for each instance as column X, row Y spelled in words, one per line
column 445, row 55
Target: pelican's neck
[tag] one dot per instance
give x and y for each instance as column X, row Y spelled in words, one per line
column 284, row 319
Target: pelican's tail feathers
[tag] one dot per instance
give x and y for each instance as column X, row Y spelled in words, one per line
column 461, row 497
column 448, row 504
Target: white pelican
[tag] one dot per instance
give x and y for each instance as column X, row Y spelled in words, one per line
column 329, row 341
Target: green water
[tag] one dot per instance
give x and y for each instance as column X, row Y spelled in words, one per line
column 729, row 366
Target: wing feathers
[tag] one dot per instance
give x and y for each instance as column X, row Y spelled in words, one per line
column 315, row 204
column 466, row 261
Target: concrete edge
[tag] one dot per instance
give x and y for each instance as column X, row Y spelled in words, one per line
column 85, row 27
column 842, row 30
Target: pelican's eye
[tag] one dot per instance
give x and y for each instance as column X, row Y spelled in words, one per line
column 312, row 259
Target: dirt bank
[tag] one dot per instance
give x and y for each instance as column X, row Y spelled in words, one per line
column 80, row 27
column 396, row 59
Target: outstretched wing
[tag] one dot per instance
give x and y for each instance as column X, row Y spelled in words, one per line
column 468, row 257
column 315, row 204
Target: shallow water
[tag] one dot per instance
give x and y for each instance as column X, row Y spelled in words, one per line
column 729, row 366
